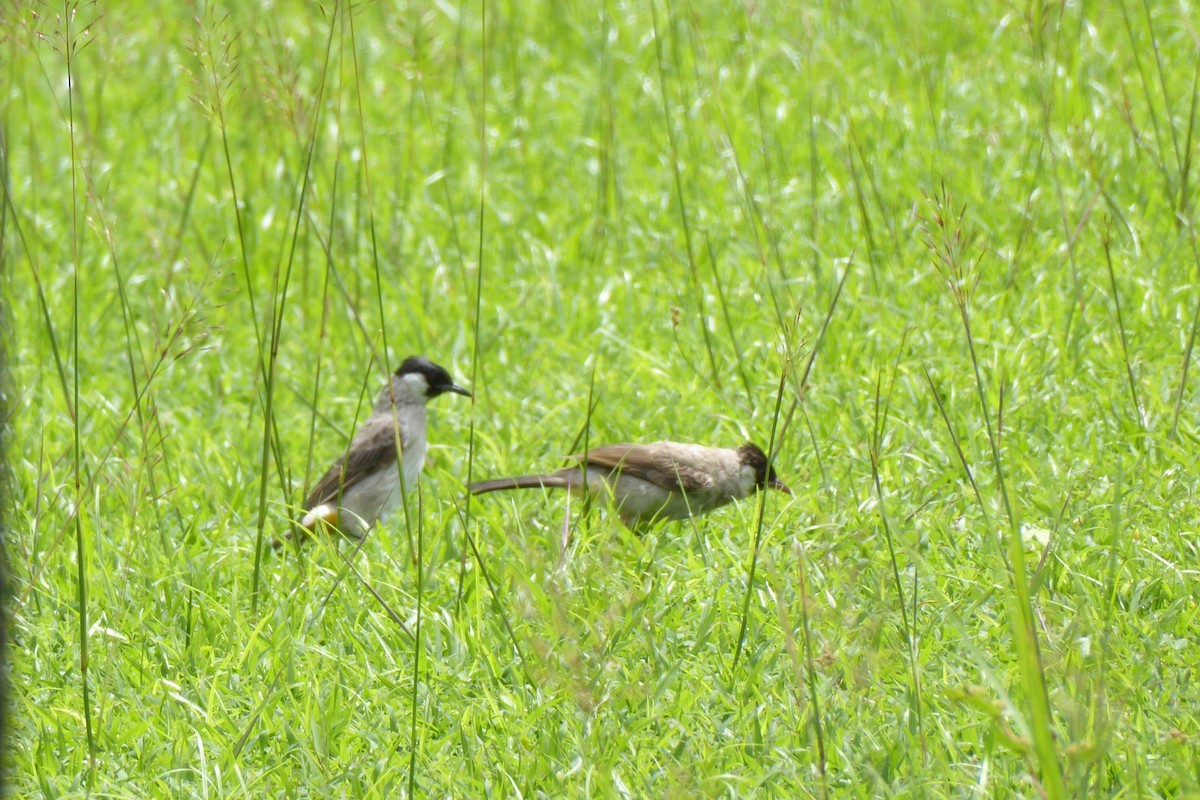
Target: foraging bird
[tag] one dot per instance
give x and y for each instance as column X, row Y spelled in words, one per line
column 663, row 480
column 365, row 483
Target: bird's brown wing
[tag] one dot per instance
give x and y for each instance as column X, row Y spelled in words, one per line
column 651, row 463
column 373, row 449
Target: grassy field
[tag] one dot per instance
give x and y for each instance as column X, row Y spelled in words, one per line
column 942, row 256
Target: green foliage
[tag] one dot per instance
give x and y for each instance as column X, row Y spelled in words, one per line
column 223, row 224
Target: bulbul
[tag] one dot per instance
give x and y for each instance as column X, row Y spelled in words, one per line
column 663, row 480
column 364, row 484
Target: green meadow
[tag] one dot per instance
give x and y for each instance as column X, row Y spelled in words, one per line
column 940, row 258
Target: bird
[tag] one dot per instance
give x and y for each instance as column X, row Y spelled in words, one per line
column 364, row 484
column 658, row 481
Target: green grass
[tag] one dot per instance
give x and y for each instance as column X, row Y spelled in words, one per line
column 624, row 221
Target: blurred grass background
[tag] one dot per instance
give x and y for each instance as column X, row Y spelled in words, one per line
column 223, row 225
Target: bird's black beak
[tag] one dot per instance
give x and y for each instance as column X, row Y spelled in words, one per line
column 454, row 387
column 779, row 485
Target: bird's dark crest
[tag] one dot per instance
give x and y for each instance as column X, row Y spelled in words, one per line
column 435, row 375
column 753, row 456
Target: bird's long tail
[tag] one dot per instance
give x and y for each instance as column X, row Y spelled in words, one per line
column 522, row 482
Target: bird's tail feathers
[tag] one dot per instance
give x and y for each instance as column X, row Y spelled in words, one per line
column 521, row 482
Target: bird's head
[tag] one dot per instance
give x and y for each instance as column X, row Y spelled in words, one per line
column 752, row 456
column 419, row 380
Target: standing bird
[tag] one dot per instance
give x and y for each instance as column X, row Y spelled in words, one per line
column 663, row 480
column 365, row 483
